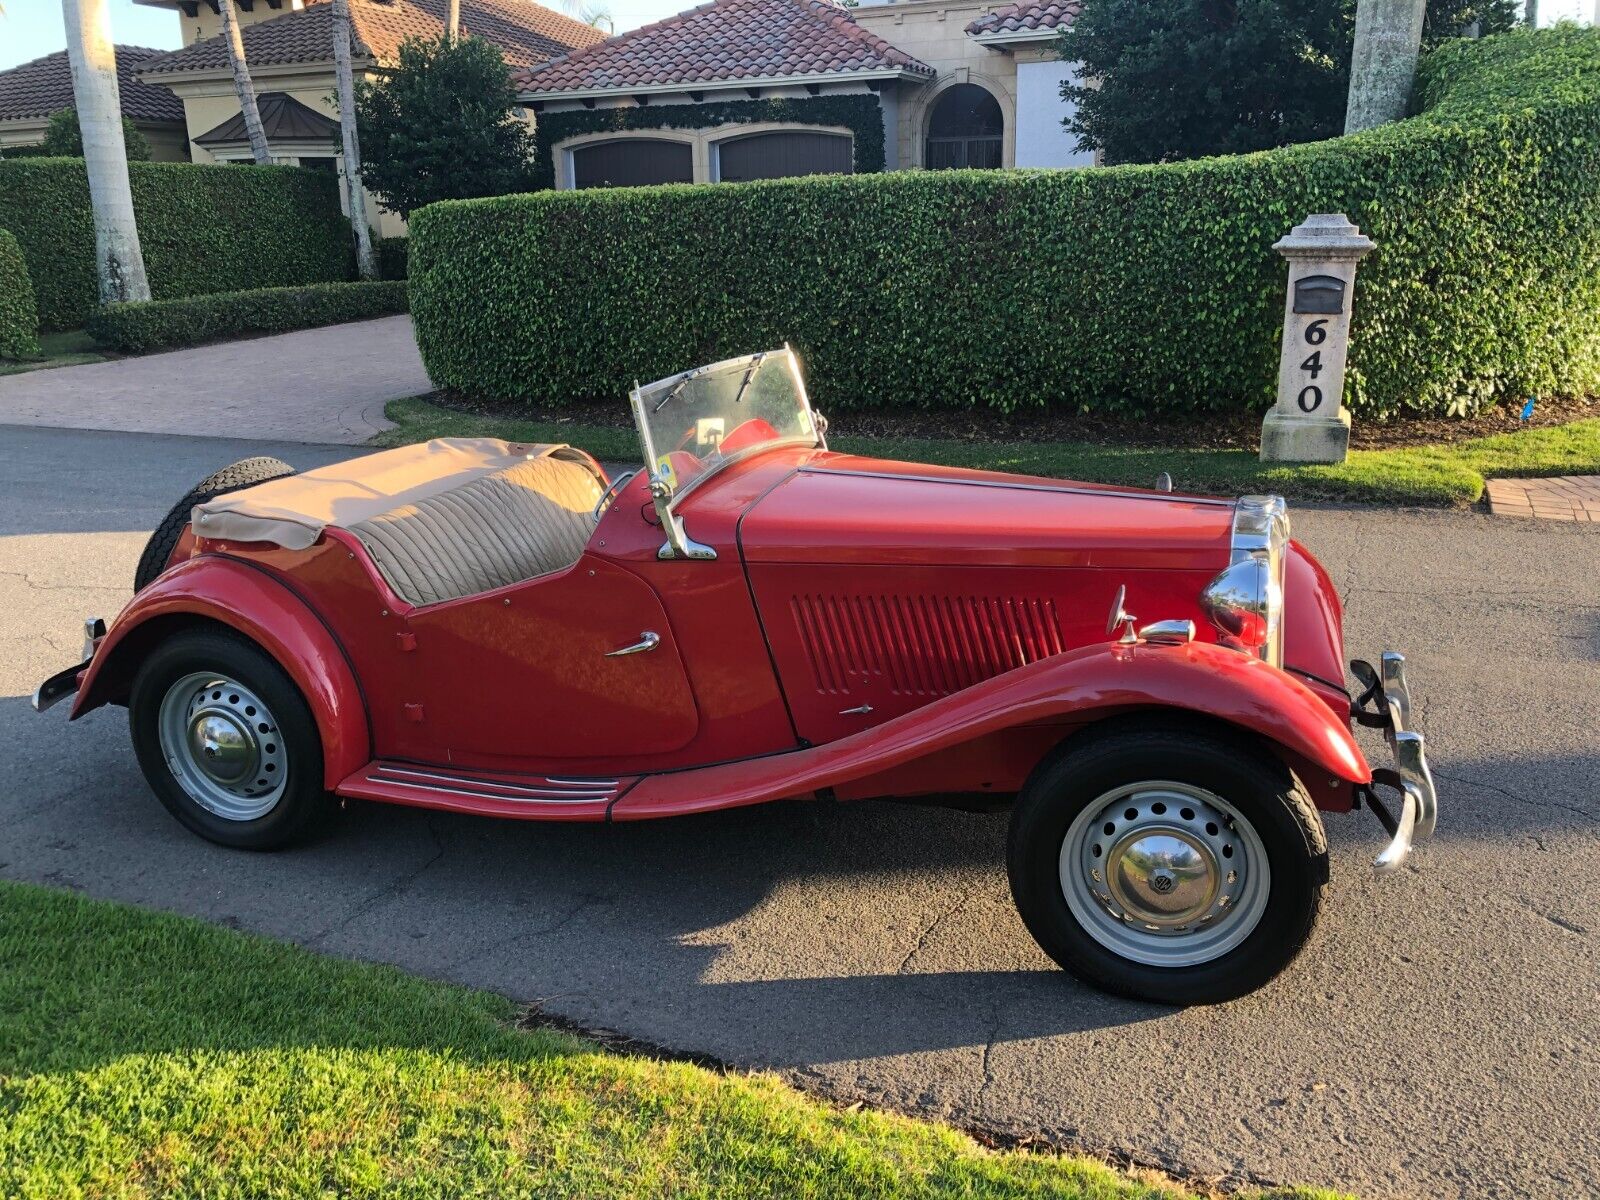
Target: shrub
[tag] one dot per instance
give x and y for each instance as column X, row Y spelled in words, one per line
column 1185, row 78
column 63, row 138
column 1128, row 288
column 155, row 324
column 19, row 320
column 203, row 229
column 439, row 126
column 392, row 257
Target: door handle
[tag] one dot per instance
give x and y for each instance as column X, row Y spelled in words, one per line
column 647, row 641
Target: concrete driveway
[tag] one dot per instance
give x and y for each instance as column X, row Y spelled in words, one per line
column 1438, row 1038
column 314, row 385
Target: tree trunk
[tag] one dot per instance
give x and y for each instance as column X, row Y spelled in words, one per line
column 242, row 87
column 1384, row 63
column 118, row 259
column 344, row 79
column 1530, row 13
column 452, row 24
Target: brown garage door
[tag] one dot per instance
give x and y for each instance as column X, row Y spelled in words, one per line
column 783, row 154
column 632, row 162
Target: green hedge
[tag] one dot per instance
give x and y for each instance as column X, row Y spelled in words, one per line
column 19, row 319
column 862, row 115
column 392, row 257
column 134, row 328
column 1135, row 288
column 203, row 229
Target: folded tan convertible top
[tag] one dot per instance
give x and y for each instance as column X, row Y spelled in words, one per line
column 293, row 511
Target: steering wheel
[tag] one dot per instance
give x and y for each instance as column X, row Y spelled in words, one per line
column 610, row 494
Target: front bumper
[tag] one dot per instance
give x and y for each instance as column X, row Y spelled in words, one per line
column 1386, row 705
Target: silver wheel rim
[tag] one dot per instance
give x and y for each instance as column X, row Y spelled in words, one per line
column 1165, row 874
column 223, row 746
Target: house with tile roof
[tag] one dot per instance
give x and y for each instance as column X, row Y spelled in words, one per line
column 751, row 89
column 289, row 46
column 32, row 92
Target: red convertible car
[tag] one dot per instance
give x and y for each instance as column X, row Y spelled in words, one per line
column 504, row 629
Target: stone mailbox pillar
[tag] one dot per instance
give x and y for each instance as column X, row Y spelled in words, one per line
column 1310, row 423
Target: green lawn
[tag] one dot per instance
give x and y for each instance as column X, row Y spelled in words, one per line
column 64, row 349
column 145, row 1055
column 1431, row 475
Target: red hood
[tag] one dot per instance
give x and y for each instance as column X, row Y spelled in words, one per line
column 839, row 508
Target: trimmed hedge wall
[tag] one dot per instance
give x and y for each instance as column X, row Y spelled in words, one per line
column 862, row 115
column 135, row 328
column 1136, row 288
column 202, row 228
column 19, row 319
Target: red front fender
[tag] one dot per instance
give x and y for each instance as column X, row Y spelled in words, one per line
column 1081, row 686
column 245, row 598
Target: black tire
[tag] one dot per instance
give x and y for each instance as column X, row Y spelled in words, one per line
column 301, row 808
column 1241, row 772
column 247, row 472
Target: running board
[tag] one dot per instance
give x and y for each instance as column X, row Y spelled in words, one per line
column 536, row 797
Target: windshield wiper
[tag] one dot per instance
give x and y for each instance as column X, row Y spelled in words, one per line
column 755, row 365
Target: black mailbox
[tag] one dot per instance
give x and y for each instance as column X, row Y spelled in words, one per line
column 1319, row 294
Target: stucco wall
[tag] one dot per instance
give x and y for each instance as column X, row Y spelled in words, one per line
column 206, row 23
column 934, row 32
column 1041, row 139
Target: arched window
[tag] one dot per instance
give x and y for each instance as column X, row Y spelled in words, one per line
column 632, row 162
column 782, row 154
column 964, row 129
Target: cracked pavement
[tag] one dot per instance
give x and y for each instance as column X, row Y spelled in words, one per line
column 1438, row 1037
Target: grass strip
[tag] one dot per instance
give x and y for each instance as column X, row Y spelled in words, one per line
column 1441, row 475
column 67, row 348
column 143, row 1054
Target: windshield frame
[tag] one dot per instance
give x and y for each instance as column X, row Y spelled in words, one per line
column 644, row 394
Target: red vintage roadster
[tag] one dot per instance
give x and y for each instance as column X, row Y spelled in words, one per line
column 505, row 630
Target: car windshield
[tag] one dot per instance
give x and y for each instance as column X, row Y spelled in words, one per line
column 694, row 423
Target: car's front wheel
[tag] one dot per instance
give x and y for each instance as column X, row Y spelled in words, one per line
column 227, row 742
column 1167, row 864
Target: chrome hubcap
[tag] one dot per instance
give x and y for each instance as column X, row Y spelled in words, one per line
column 1164, row 873
column 222, row 745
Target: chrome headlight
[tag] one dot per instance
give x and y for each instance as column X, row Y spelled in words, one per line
column 1245, row 602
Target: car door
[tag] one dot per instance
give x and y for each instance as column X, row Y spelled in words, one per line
column 577, row 665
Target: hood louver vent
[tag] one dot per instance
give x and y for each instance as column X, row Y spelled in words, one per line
column 922, row 645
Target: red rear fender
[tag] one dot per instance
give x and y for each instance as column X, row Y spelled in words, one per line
column 1082, row 686
column 254, row 603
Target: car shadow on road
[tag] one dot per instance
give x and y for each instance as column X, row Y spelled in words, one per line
column 788, row 935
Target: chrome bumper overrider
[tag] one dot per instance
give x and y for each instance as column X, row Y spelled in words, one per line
column 65, row 683
column 1386, row 705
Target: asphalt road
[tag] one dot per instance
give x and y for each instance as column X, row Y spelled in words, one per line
column 1438, row 1038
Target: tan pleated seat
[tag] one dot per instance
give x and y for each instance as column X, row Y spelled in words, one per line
column 527, row 520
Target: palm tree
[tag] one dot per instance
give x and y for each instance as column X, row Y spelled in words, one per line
column 118, row 258
column 594, row 13
column 242, row 86
column 1384, row 61
column 452, row 21
column 344, row 82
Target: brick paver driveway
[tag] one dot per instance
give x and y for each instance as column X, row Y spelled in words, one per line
column 314, row 385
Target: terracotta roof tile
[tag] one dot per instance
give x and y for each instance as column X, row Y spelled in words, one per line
column 722, row 41
column 526, row 33
column 44, row 86
column 1025, row 18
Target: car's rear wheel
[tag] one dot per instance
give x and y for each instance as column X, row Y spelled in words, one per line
column 227, row 742
column 1168, row 864
column 247, row 472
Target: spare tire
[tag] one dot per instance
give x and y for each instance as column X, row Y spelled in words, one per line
column 247, row 472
